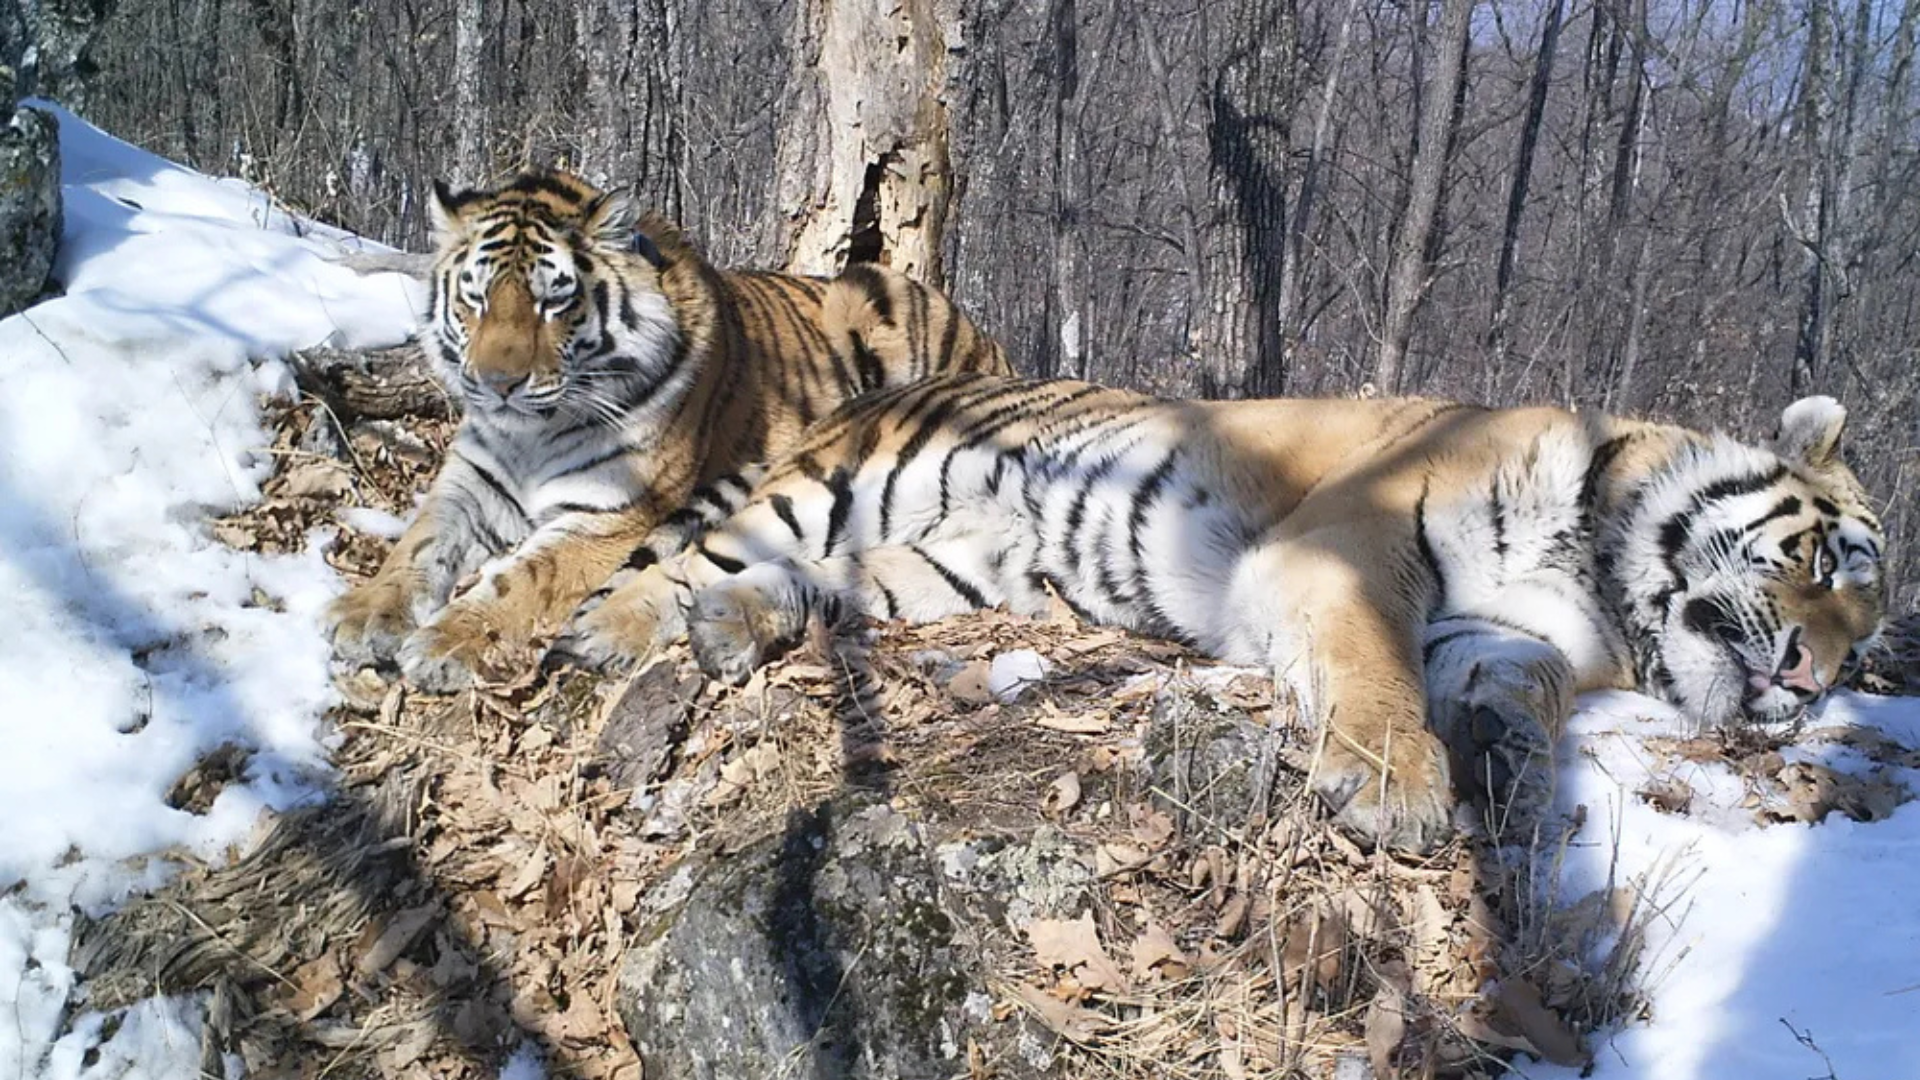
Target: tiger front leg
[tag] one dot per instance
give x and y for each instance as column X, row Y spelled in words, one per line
column 1499, row 698
column 518, row 596
column 636, row 612
column 1343, row 638
column 370, row 623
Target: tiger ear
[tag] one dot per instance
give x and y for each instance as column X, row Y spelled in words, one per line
column 609, row 219
column 444, row 208
column 1810, row 432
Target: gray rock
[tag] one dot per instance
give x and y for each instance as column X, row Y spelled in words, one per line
column 1209, row 762
column 829, row 950
column 29, row 206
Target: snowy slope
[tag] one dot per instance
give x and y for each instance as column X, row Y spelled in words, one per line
column 132, row 641
column 1817, row 926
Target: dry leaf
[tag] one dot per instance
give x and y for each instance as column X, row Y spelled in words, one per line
column 235, row 535
column 1085, row 723
column 972, row 684
column 531, row 869
column 1230, row 1063
column 317, row 985
column 1386, row 1021
column 1151, row 827
column 319, row 478
column 1432, row 940
column 1111, row 859
column 1813, row 791
column 1074, row 945
column 1156, row 949
column 1667, row 795
column 1233, row 918
column 1519, row 1002
column 396, row 938
column 1319, row 938
column 1062, row 796
column 1066, row 1020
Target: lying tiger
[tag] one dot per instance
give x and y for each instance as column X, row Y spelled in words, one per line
column 1432, row 582
column 605, row 375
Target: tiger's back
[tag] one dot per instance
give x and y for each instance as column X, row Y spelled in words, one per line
column 808, row 345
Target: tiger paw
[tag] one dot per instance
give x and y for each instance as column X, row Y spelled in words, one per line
column 636, row 612
column 1504, row 763
column 737, row 627
column 1411, row 812
column 443, row 656
column 370, row 623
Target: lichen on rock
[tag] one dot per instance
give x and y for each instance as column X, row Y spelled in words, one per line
column 30, row 218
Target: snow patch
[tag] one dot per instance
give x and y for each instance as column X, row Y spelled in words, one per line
column 134, row 643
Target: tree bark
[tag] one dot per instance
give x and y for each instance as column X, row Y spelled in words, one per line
column 469, row 166
column 1237, row 336
column 1407, row 275
column 1522, row 173
column 1292, row 299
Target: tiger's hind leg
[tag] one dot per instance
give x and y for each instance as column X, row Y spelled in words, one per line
column 1498, row 697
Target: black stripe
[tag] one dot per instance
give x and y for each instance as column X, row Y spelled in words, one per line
column 619, row 450
column 1499, row 514
column 1434, row 645
column 1077, row 510
column 726, row 563
column 493, row 483
column 1675, row 531
column 557, row 509
column 922, row 435
column 783, row 506
column 1447, row 409
column 840, row 483
column 950, row 335
column 961, row 586
column 1784, row 508
column 1143, row 499
column 886, row 595
column 489, row 536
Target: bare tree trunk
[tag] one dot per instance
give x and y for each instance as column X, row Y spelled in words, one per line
column 882, row 195
column 1067, row 319
column 1522, row 174
column 1291, row 303
column 1815, row 111
column 1407, row 275
column 469, row 166
column 1236, row 328
column 1827, row 233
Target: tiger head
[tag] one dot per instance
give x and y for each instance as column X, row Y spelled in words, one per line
column 1754, row 575
column 544, row 299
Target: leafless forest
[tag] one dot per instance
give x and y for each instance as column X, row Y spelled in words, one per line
column 1691, row 208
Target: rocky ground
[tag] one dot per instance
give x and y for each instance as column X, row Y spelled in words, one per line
column 989, row 847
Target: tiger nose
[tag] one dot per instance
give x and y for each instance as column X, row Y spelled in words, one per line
column 1796, row 671
column 503, row 383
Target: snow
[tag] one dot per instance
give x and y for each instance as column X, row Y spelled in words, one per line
column 1769, row 931
column 1012, row 672
column 133, row 643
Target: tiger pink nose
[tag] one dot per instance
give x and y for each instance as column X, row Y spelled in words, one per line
column 1796, row 670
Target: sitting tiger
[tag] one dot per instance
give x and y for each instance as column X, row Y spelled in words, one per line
column 605, row 374
column 1431, row 582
